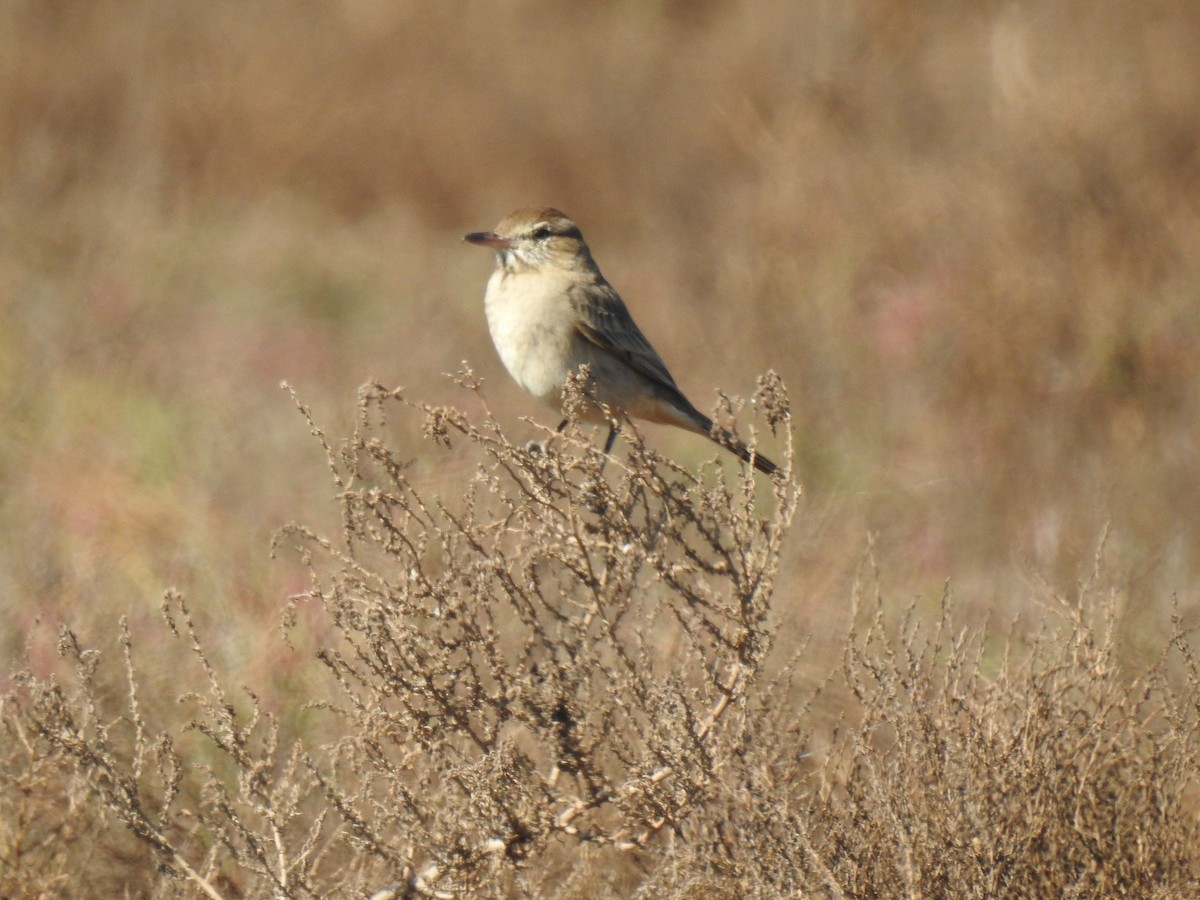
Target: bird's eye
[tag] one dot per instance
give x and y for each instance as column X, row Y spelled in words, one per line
column 542, row 233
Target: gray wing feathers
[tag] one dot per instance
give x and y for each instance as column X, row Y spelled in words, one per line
column 606, row 323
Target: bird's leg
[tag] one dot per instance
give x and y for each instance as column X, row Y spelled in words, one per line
column 608, row 445
column 612, row 438
column 608, row 441
column 538, row 447
column 593, row 496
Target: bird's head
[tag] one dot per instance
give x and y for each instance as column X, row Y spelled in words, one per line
column 533, row 238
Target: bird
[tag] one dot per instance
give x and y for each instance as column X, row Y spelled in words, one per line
column 550, row 311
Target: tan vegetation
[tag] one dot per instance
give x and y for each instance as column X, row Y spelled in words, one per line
column 966, row 237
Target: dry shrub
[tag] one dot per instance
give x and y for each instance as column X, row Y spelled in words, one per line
column 552, row 661
column 569, row 681
column 548, row 656
column 45, row 832
column 969, row 765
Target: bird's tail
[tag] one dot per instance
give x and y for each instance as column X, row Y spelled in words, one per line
column 756, row 459
column 687, row 416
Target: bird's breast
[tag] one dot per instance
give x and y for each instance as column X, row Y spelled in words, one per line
column 533, row 328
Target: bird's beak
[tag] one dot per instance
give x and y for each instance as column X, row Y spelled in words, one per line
column 488, row 239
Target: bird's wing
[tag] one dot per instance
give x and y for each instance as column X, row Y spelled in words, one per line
column 604, row 322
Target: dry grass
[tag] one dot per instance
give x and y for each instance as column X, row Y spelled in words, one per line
column 558, row 684
column 965, row 237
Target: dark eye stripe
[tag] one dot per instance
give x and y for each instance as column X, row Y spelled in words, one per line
column 545, row 231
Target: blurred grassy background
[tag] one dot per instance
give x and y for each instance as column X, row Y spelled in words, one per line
column 967, row 235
